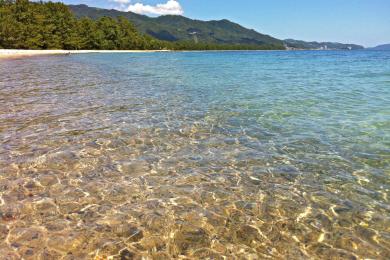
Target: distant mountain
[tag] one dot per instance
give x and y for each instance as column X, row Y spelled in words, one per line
column 296, row 44
column 384, row 47
column 179, row 28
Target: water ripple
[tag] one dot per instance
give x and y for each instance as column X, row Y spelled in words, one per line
column 202, row 155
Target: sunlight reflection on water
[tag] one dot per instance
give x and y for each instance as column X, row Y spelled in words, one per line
column 244, row 154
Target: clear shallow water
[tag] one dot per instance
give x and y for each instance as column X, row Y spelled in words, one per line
column 205, row 155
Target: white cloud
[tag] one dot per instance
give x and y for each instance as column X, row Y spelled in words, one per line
column 170, row 7
column 121, row 1
column 121, row 4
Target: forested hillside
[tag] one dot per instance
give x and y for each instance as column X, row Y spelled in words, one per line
column 47, row 25
column 383, row 47
column 321, row 45
column 178, row 28
column 28, row 25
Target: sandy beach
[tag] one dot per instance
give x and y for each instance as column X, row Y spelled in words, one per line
column 7, row 53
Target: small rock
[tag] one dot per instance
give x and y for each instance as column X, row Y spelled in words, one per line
column 3, row 232
column 126, row 255
column 129, row 231
column 191, row 238
column 46, row 208
column 206, row 253
column 48, row 180
column 8, row 254
column 29, row 237
column 49, row 255
column 154, row 243
column 246, row 234
column 134, row 168
column 9, row 213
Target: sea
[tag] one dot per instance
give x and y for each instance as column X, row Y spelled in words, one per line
column 196, row 155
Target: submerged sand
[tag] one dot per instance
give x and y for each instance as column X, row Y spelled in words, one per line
column 7, row 53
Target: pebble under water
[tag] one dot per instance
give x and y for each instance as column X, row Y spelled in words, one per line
column 243, row 155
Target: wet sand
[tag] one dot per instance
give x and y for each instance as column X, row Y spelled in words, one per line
column 7, row 53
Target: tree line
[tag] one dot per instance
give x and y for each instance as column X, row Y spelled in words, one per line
column 48, row 25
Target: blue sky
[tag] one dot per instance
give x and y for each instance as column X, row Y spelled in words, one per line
column 364, row 22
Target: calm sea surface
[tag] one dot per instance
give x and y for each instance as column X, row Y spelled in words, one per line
column 280, row 155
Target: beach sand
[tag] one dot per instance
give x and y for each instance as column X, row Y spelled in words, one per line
column 7, row 53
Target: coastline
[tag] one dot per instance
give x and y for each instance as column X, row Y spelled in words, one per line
column 18, row 53
column 14, row 53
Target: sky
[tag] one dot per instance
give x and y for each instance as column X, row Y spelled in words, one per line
column 365, row 22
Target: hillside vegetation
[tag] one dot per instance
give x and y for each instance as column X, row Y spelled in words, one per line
column 29, row 25
column 383, row 47
column 47, row 25
column 321, row 45
column 175, row 28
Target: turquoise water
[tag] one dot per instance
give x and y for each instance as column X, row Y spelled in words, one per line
column 161, row 155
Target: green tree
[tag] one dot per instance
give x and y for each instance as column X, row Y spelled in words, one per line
column 48, row 25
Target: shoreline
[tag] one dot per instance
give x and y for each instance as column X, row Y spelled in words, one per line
column 15, row 53
column 18, row 53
